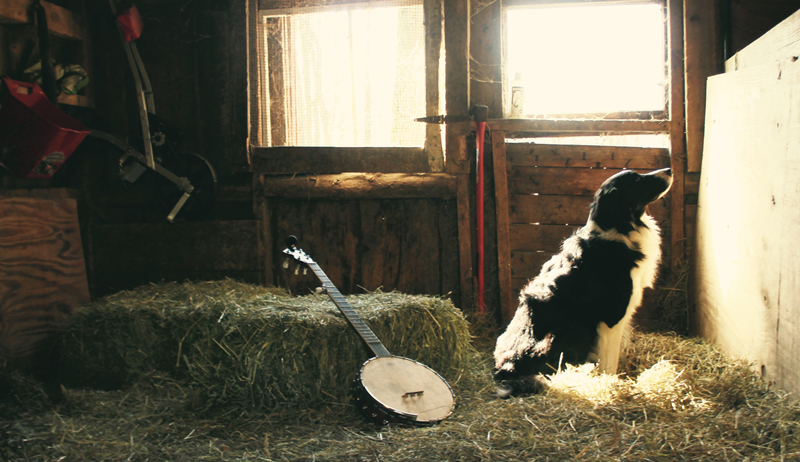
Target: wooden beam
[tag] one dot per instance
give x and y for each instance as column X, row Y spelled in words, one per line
column 60, row 21
column 468, row 285
column 703, row 59
column 548, row 126
column 264, row 239
column 325, row 160
column 507, row 306
column 486, row 71
column 457, row 30
column 358, row 186
column 434, row 33
column 677, row 131
column 559, row 155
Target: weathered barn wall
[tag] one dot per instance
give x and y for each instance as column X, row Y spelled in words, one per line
column 548, row 192
column 746, row 288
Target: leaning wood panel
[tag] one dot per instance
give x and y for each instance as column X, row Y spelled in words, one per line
column 746, row 270
column 549, row 210
column 42, row 271
column 554, row 155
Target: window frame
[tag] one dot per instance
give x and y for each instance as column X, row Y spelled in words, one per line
column 331, row 160
column 618, row 115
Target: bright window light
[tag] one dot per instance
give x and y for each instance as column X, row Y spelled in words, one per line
column 351, row 75
column 588, row 59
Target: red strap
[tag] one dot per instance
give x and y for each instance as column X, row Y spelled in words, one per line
column 130, row 23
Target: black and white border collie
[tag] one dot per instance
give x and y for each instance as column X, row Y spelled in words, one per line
column 578, row 309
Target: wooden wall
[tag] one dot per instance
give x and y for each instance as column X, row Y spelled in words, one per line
column 549, row 189
column 746, row 287
column 366, row 231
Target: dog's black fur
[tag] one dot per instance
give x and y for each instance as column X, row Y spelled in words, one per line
column 578, row 307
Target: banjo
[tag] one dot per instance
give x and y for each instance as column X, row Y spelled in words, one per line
column 388, row 389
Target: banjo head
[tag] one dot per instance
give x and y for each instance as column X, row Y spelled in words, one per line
column 393, row 389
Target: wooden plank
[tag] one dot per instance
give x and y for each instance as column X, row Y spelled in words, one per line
column 42, row 271
column 548, row 210
column 572, row 210
column 779, row 43
column 400, row 246
column 434, row 34
column 276, row 89
column 60, row 21
column 486, row 72
column 745, row 259
column 456, row 36
column 703, row 59
column 565, row 181
column 360, row 186
column 465, row 243
column 507, row 305
column 556, row 155
column 677, row 132
column 256, row 60
column 545, row 238
column 265, row 241
column 328, row 231
column 366, row 245
column 542, row 126
column 234, row 119
column 788, row 338
column 328, row 160
column 526, row 265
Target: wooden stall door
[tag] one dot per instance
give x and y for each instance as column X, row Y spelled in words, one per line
column 543, row 194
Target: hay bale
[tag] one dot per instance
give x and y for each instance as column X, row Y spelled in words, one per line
column 253, row 347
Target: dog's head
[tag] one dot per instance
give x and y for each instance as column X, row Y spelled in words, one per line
column 621, row 200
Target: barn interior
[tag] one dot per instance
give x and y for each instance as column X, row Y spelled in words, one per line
column 214, row 131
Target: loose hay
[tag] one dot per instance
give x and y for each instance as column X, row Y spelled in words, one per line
column 253, row 348
column 677, row 399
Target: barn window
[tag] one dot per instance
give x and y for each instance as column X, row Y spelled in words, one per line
column 599, row 58
column 344, row 75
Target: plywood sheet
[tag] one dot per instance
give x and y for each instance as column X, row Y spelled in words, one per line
column 42, row 270
column 745, row 261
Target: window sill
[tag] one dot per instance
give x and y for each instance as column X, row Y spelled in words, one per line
column 522, row 128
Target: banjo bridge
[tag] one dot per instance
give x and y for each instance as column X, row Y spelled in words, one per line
column 412, row 394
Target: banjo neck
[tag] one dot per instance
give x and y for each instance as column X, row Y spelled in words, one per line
column 347, row 310
column 349, row 313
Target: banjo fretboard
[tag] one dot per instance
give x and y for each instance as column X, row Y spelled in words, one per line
column 347, row 310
